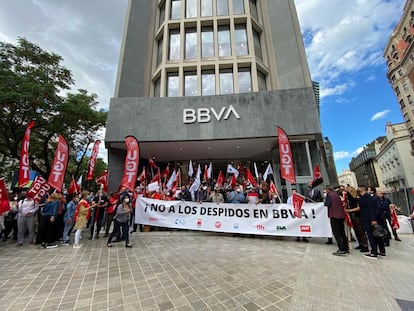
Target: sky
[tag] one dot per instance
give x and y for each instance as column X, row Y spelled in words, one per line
column 344, row 43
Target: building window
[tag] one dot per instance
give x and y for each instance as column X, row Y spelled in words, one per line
column 257, row 45
column 405, row 86
column 175, row 9
column 261, row 81
column 174, row 52
column 190, row 84
column 173, row 84
column 208, row 83
column 190, row 43
column 206, row 8
column 226, row 82
column 241, row 40
column 222, row 7
column 410, row 100
column 402, row 105
column 253, row 9
column 397, row 91
column 157, row 88
column 400, row 72
column 245, row 80
column 159, row 51
column 393, row 78
column 224, row 41
column 207, row 42
column 191, row 8
column 238, row 6
column 161, row 17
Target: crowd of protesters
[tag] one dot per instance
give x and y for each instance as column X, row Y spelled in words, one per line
column 51, row 221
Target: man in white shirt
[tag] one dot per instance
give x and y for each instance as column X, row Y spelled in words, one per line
column 27, row 209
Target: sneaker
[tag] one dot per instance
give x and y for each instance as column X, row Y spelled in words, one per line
column 77, row 245
column 19, row 244
column 398, row 239
column 329, row 242
column 43, row 245
column 51, row 245
column 383, row 255
column 364, row 250
column 128, row 245
column 65, row 243
column 358, row 247
column 370, row 256
column 339, row 253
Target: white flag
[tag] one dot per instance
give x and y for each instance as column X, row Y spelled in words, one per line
column 232, row 170
column 196, row 184
column 256, row 172
column 190, row 169
column 79, row 182
column 172, row 179
column 268, row 171
column 209, row 170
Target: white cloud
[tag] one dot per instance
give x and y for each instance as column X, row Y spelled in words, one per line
column 380, row 115
column 339, row 155
column 346, row 40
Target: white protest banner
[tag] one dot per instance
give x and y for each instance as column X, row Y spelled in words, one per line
column 263, row 219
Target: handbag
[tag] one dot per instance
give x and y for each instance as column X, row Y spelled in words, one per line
column 378, row 231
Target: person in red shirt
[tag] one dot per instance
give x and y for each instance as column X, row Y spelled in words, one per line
column 110, row 211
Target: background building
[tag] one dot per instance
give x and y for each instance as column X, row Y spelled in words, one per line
column 396, row 166
column 400, row 61
column 347, row 177
column 208, row 81
column 365, row 166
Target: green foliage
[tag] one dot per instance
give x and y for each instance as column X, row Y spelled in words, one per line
column 32, row 82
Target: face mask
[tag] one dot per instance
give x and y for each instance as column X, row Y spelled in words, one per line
column 15, row 198
column 126, row 200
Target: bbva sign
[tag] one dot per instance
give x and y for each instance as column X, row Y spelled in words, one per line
column 205, row 115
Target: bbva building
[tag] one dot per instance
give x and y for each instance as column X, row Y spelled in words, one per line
column 209, row 81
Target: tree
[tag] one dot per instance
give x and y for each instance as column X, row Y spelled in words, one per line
column 32, row 82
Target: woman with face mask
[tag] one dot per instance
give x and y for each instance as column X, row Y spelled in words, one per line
column 121, row 221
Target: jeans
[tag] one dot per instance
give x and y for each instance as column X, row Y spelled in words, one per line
column 66, row 230
column 118, row 226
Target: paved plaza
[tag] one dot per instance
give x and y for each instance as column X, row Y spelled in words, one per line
column 186, row 270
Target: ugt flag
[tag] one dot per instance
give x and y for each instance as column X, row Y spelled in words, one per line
column 92, row 160
column 131, row 163
column 286, row 159
column 24, row 170
column 317, row 177
column 60, row 162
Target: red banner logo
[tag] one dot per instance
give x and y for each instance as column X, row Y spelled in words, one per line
column 24, row 170
column 39, row 189
column 286, row 159
column 57, row 174
column 131, row 163
column 92, row 160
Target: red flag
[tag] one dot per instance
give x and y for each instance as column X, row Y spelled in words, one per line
column 143, row 176
column 4, row 198
column 103, row 180
column 73, row 187
column 250, row 177
column 273, row 188
column 152, row 163
column 233, row 180
column 92, row 160
column 24, row 169
column 166, row 172
column 39, row 189
column 157, row 177
column 220, row 179
column 57, row 174
column 317, row 177
column 297, row 201
column 286, row 159
column 240, row 168
column 131, row 163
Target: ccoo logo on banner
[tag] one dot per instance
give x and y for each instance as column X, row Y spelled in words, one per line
column 264, row 219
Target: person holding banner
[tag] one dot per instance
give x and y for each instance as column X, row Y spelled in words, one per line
column 81, row 216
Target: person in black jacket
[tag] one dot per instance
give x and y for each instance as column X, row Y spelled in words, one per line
column 368, row 214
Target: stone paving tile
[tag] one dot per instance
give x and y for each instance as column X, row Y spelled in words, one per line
column 203, row 271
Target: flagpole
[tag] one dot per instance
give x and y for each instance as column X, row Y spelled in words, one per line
column 278, row 196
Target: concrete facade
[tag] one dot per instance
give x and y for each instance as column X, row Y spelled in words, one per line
column 221, row 127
